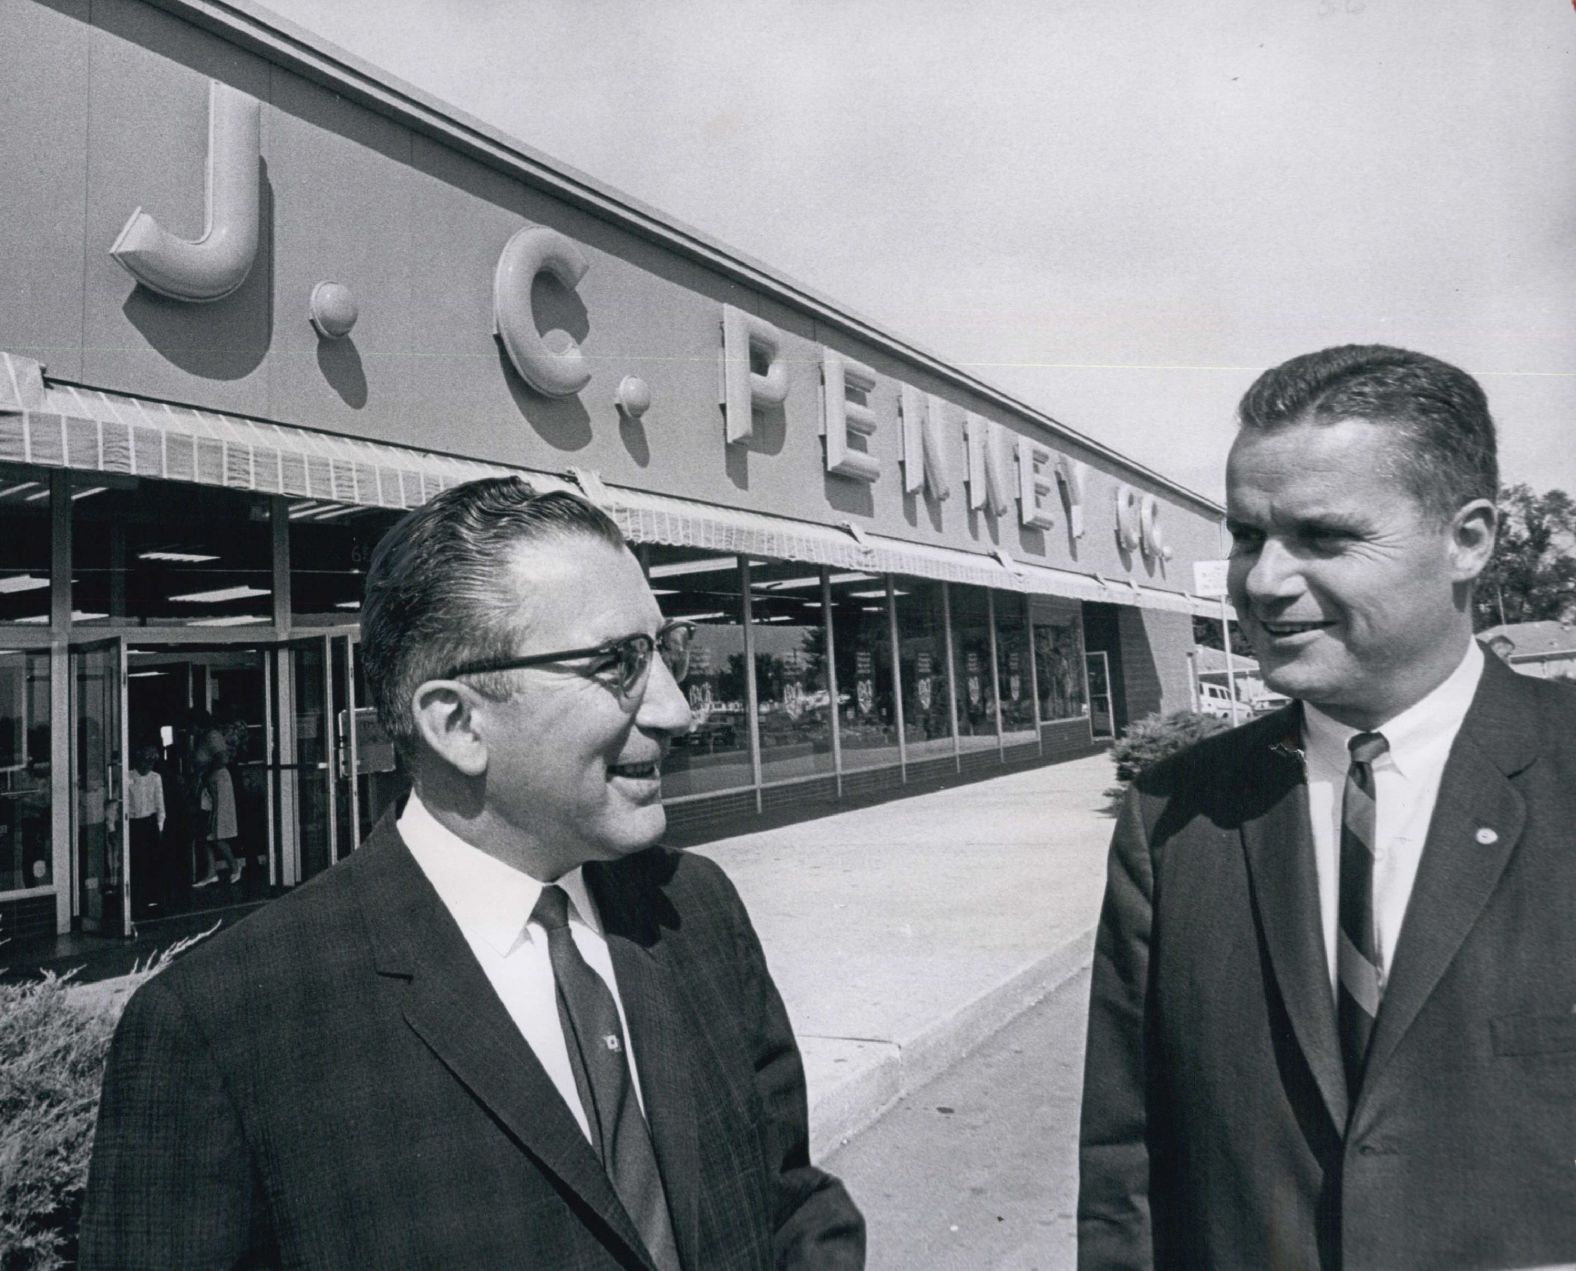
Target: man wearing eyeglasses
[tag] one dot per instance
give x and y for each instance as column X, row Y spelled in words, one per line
column 509, row 1031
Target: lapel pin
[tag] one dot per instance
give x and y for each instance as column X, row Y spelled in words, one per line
column 1485, row 836
column 611, row 1041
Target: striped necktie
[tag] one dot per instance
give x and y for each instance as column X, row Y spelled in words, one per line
column 1357, row 963
column 597, row 1050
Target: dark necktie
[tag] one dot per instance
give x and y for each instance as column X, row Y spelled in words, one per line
column 1357, row 959
column 597, row 1051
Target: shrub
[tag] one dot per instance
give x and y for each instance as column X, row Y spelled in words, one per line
column 53, row 1043
column 1147, row 741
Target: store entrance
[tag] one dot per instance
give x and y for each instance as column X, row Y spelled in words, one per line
column 208, row 777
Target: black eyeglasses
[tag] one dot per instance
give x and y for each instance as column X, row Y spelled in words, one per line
column 630, row 656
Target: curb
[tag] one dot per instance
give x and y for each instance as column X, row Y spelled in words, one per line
column 886, row 1071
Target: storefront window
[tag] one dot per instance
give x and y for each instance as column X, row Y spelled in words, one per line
column 1014, row 682
column 703, row 588
column 331, row 545
column 922, row 640
column 25, row 856
column 862, row 647
column 162, row 553
column 971, row 646
column 24, row 545
column 1058, row 655
column 794, row 707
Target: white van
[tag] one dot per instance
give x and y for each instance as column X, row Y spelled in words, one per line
column 1215, row 699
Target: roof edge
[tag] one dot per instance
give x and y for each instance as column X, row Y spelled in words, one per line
column 255, row 27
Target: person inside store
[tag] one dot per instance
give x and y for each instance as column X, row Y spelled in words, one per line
column 1333, row 1014
column 216, row 804
column 145, row 822
column 510, row 1029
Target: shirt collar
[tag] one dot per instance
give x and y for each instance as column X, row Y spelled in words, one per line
column 490, row 900
column 1417, row 733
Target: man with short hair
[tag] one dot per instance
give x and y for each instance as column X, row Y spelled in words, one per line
column 508, row 1031
column 1333, row 1016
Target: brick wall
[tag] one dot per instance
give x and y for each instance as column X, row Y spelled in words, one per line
column 1157, row 644
column 27, row 918
column 1148, row 652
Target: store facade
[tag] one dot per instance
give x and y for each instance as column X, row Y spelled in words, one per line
column 257, row 300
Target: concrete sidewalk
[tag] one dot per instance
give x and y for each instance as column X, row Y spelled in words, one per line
column 904, row 933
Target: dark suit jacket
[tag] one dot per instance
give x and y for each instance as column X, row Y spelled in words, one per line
column 334, row 1083
column 1217, row 1128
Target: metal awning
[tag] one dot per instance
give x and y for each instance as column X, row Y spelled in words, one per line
column 657, row 518
column 69, row 426
column 64, row 426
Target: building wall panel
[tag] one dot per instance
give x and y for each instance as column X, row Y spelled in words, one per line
column 322, row 151
column 43, row 180
column 148, row 130
column 414, row 227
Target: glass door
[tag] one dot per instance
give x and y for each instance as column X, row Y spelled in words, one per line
column 342, row 701
column 314, row 761
column 379, row 783
column 1102, row 720
column 98, row 781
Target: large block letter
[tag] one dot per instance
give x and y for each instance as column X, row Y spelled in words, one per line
column 1129, row 510
column 843, row 417
column 1151, row 532
column 1035, row 484
column 210, row 267
column 743, row 388
column 556, row 369
column 989, row 485
column 1073, row 474
column 924, row 453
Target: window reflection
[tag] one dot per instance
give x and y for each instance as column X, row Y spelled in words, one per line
column 863, row 655
column 147, row 552
column 1014, row 683
column 1059, row 663
column 971, row 644
column 25, row 856
column 331, row 545
column 922, row 639
column 794, row 707
column 703, row 588
column 24, row 545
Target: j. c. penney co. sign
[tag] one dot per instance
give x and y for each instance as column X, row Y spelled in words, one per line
column 1004, row 471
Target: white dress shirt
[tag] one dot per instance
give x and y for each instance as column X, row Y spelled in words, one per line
column 492, row 902
column 1406, row 786
column 145, row 795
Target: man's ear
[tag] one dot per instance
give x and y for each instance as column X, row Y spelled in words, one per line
column 1473, row 531
column 445, row 712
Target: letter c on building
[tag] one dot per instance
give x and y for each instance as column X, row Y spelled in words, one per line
column 1128, row 514
column 553, row 372
column 1154, row 539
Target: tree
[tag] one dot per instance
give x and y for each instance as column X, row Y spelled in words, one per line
column 1206, row 631
column 1532, row 576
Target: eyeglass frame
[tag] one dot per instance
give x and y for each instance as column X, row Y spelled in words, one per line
column 608, row 649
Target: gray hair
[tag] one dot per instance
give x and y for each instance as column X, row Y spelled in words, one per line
column 435, row 592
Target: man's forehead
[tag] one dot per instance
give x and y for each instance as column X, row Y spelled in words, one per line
column 1338, row 464
column 580, row 581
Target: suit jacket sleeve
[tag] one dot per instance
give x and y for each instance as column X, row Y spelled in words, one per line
column 1116, row 1133
column 817, row 1223
column 170, row 1183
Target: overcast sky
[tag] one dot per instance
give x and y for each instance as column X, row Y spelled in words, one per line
column 1118, row 210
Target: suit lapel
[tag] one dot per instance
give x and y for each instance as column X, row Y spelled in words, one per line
column 450, row 1004
column 1278, row 839
column 1477, row 822
column 652, row 994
